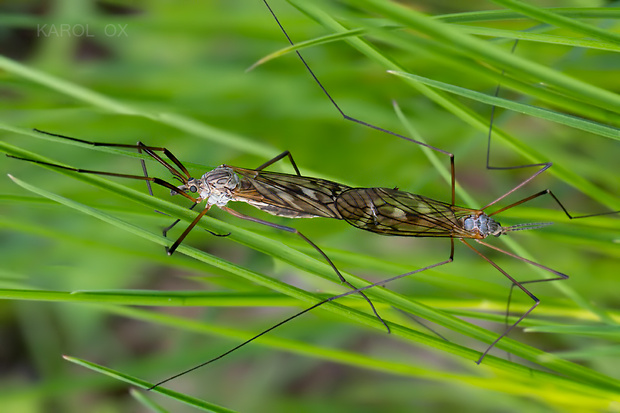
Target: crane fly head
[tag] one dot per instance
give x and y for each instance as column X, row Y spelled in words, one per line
column 216, row 186
column 485, row 225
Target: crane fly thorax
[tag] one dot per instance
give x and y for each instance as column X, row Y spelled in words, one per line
column 482, row 224
column 216, row 186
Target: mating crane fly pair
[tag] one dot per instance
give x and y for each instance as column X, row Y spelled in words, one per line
column 380, row 210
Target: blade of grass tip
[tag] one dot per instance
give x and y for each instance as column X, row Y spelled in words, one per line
column 180, row 397
column 550, row 115
column 478, row 30
column 308, row 43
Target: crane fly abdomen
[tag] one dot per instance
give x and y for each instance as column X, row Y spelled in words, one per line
column 392, row 212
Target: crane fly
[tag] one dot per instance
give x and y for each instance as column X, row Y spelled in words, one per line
column 280, row 194
column 394, row 212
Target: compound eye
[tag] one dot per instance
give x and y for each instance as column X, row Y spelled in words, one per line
column 193, row 189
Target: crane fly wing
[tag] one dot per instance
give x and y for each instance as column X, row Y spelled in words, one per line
column 290, row 196
column 393, row 212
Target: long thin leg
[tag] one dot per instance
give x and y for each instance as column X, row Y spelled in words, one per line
column 358, row 121
column 545, row 192
column 559, row 275
column 316, row 247
column 169, row 227
column 156, row 181
column 176, row 244
column 515, row 282
column 146, row 173
column 148, row 183
column 416, row 320
column 320, row 303
column 279, row 157
column 543, row 167
column 184, row 176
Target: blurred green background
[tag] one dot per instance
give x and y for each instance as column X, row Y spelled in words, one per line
column 174, row 74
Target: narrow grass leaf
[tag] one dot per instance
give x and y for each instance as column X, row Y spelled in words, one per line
column 542, row 113
column 180, row 397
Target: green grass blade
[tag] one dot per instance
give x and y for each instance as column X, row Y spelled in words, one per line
column 542, row 113
column 501, row 15
column 542, row 38
column 609, row 332
column 182, row 398
column 548, row 16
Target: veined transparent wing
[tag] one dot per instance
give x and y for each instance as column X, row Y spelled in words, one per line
column 286, row 195
column 393, row 212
